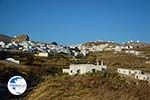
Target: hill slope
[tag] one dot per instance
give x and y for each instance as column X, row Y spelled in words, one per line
column 100, row 86
column 5, row 38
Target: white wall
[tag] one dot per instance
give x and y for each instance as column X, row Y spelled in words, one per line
column 142, row 76
column 83, row 68
column 124, row 71
column 42, row 54
column 128, row 71
column 13, row 60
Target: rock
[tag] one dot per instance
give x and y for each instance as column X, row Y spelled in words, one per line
column 21, row 38
column 5, row 38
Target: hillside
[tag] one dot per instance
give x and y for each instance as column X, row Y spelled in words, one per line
column 99, row 43
column 98, row 86
column 46, row 81
column 5, row 38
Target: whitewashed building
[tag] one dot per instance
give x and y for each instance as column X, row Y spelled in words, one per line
column 118, row 49
column 42, row 54
column 135, row 74
column 13, row 60
column 142, row 76
column 128, row 71
column 133, row 52
column 84, row 68
column 2, row 44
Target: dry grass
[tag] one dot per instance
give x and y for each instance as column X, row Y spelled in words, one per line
column 99, row 86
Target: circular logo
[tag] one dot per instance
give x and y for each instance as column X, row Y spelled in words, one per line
column 17, row 85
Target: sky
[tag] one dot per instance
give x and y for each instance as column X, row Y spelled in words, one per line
column 76, row 21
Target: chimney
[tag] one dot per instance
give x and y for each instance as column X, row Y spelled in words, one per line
column 102, row 63
column 97, row 62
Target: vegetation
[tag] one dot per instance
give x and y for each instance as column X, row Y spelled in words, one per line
column 96, row 86
column 47, row 82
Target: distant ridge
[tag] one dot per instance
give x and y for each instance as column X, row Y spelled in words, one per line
column 99, row 43
column 5, row 38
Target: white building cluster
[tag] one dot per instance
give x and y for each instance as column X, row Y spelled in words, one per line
column 30, row 46
column 42, row 48
column 138, row 74
column 108, row 46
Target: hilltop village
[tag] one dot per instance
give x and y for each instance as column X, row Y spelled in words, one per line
column 37, row 61
column 23, row 43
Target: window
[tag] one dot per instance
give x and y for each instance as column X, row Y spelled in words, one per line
column 78, row 71
column 129, row 72
column 93, row 70
column 71, row 71
column 147, row 78
column 124, row 71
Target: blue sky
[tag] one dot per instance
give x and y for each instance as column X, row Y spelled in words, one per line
column 76, row 21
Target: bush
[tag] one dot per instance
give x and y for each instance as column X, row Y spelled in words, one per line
column 28, row 60
column 54, row 70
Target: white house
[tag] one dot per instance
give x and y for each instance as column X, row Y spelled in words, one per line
column 84, row 68
column 142, row 76
column 118, row 49
column 133, row 52
column 128, row 71
column 134, row 73
column 2, row 44
column 13, row 60
column 42, row 54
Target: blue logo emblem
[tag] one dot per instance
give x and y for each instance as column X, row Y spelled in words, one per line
column 17, row 85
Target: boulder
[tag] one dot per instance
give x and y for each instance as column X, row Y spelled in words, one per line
column 20, row 38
